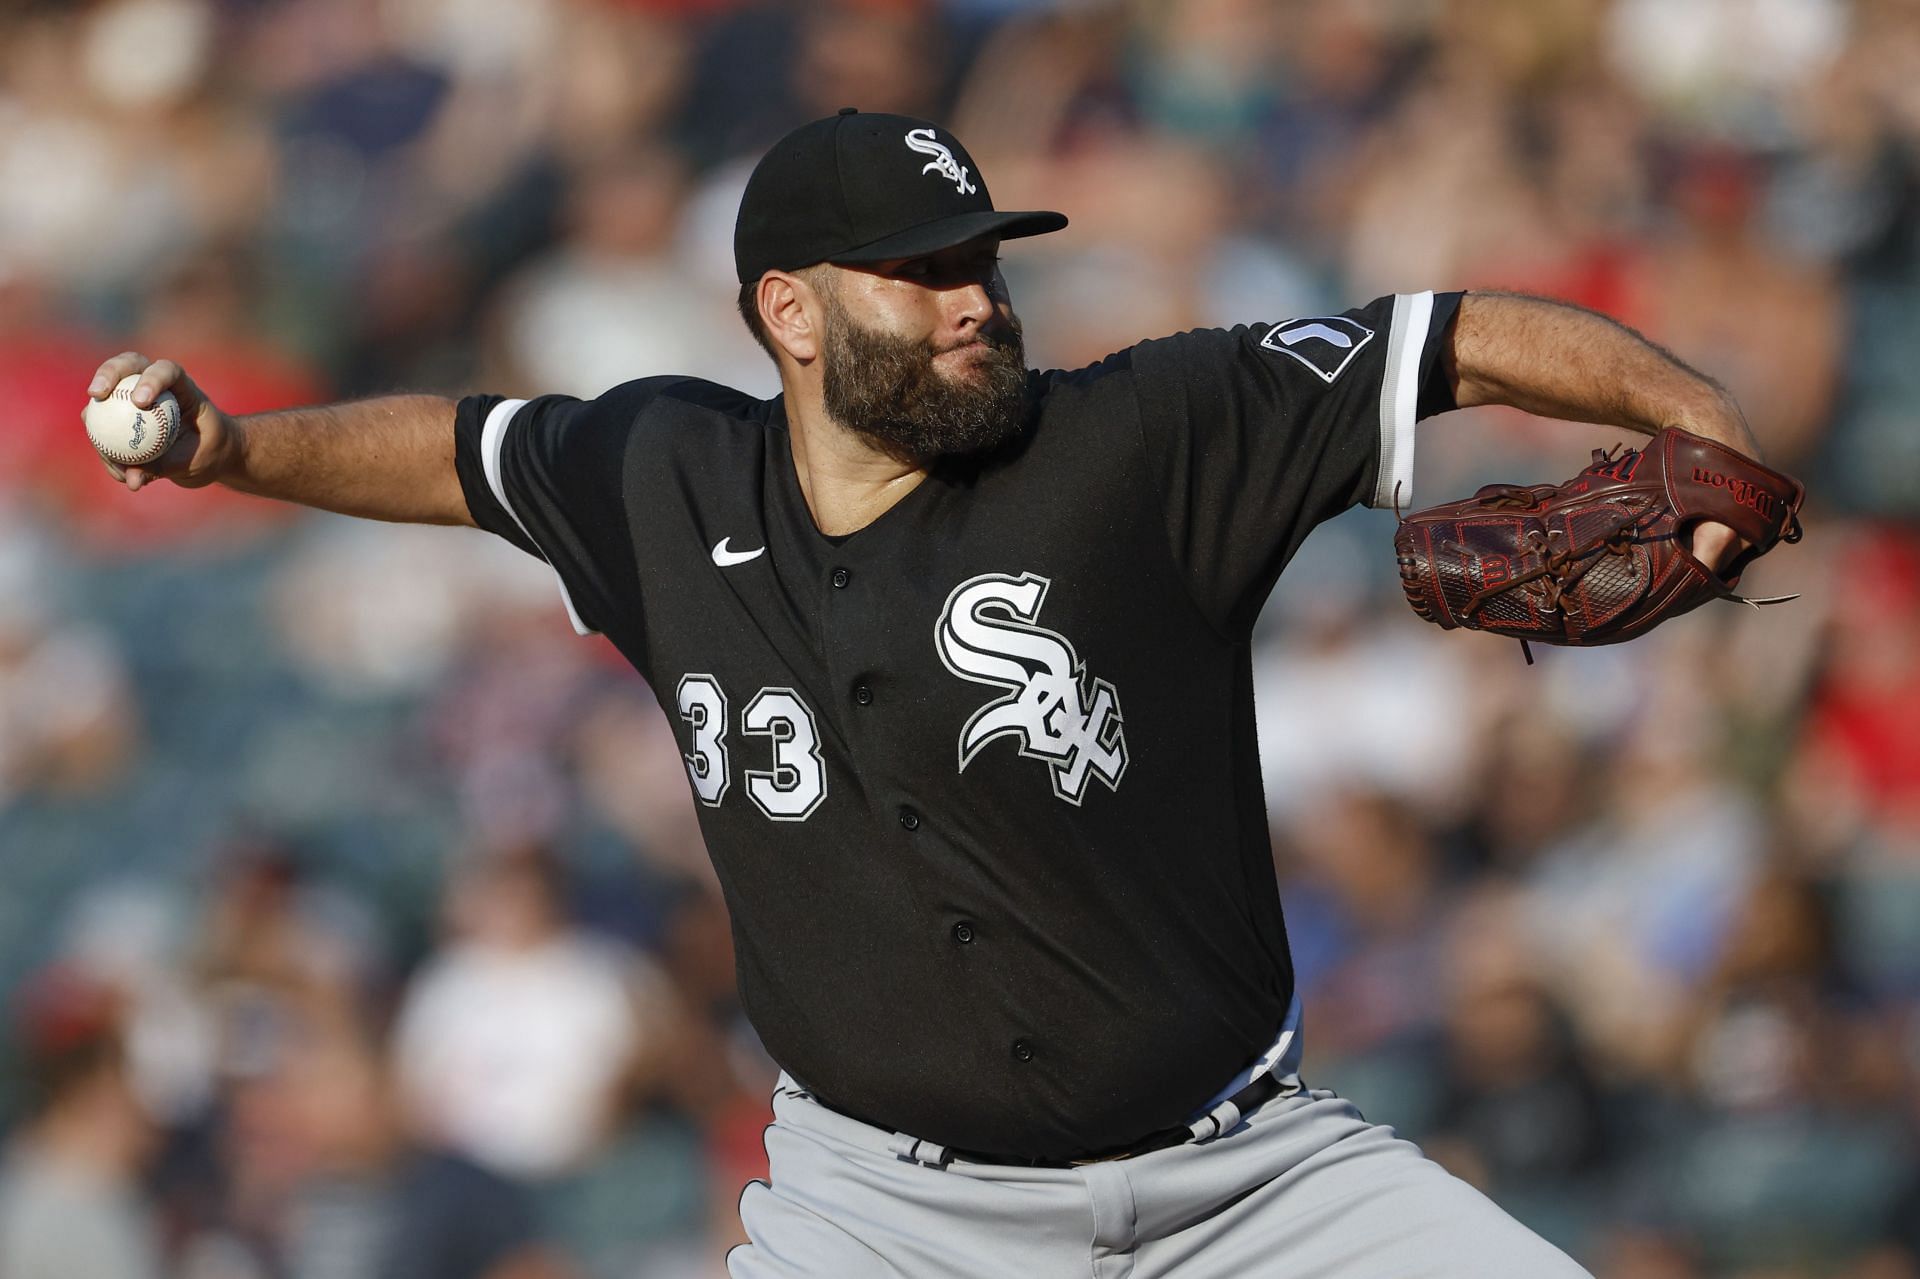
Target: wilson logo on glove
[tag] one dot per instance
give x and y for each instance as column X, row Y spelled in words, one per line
column 1745, row 492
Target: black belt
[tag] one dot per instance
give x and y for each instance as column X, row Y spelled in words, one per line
column 1258, row 1092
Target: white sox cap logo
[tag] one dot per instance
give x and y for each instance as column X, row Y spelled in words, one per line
column 1048, row 711
column 943, row 163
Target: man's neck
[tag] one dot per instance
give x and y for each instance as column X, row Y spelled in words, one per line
column 848, row 483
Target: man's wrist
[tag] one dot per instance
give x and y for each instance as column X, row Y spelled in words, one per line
column 228, row 461
column 1720, row 420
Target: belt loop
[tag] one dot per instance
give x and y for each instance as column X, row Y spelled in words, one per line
column 915, row 1151
column 1223, row 1117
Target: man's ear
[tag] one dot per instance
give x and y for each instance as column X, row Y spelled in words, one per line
column 792, row 311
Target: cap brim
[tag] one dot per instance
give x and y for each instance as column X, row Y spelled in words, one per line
column 944, row 233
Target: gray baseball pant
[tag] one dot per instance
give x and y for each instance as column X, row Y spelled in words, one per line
column 1303, row 1188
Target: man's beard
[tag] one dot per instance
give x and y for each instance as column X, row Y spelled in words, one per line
column 887, row 389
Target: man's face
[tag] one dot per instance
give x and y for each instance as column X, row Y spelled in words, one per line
column 923, row 356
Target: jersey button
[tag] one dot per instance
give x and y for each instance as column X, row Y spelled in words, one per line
column 963, row 933
column 862, row 694
column 909, row 819
column 840, row 579
column 1022, row 1050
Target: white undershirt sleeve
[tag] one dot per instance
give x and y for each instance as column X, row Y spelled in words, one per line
column 1400, row 397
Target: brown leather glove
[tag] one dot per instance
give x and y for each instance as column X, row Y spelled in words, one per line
column 1601, row 558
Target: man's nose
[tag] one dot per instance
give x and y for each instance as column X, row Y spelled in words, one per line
column 970, row 305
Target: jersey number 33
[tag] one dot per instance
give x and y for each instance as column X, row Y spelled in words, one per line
column 797, row 782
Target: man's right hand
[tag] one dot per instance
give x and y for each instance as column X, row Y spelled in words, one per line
column 207, row 440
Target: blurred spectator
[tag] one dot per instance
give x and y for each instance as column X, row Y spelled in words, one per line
column 1208, row 68
column 113, row 157
column 877, row 56
column 372, row 1205
column 127, row 935
column 1853, row 783
column 48, row 353
column 1520, row 1114
column 1862, row 730
column 614, row 302
column 1438, row 190
column 1899, row 1257
column 517, row 1044
column 1345, row 703
column 765, row 67
column 1372, row 993
column 1533, row 790
column 365, row 611
column 71, row 1206
column 1855, row 199
column 273, row 939
column 1631, row 908
column 1720, row 55
column 507, row 708
column 67, row 718
column 1800, row 1146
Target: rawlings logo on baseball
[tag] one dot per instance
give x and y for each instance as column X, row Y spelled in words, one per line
column 126, row 434
column 943, row 163
column 988, row 634
column 1745, row 492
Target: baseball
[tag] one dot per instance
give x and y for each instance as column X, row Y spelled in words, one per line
column 129, row 435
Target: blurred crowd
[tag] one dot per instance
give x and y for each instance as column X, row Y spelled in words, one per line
column 353, row 917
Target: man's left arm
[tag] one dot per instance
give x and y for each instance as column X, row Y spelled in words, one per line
column 1560, row 360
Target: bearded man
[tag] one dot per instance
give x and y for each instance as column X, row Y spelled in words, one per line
column 959, row 658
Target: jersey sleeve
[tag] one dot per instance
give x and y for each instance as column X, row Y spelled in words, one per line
column 1255, row 435
column 547, row 474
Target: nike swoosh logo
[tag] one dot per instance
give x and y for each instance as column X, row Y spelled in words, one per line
column 727, row 559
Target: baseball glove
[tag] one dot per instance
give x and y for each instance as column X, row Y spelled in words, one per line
column 1601, row 558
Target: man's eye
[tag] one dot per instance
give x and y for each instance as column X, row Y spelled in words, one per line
column 924, row 269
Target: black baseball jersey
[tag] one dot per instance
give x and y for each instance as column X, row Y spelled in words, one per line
column 979, row 780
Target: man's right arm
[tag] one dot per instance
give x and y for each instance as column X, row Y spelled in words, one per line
column 389, row 458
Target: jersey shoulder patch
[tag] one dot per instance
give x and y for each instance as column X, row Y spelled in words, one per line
column 1326, row 344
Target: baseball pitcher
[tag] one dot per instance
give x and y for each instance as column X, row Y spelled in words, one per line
column 958, row 656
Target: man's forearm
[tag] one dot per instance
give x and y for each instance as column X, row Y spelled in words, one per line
column 1560, row 360
column 389, row 458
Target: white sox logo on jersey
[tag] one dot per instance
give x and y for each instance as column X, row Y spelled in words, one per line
column 1326, row 344
column 943, row 163
column 988, row 634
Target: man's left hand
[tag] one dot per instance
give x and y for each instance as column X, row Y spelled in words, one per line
column 1715, row 545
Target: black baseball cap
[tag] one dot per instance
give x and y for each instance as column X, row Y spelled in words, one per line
column 864, row 187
